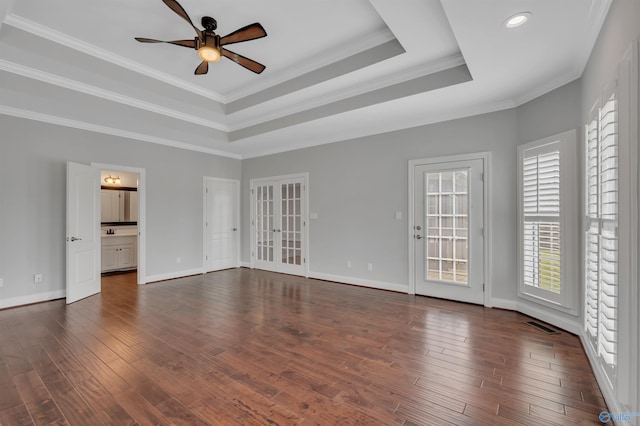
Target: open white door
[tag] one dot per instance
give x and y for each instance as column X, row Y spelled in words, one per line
column 83, row 231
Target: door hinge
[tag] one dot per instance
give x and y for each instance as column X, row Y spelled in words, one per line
column 482, row 177
column 304, row 260
column 206, row 190
column 206, row 257
column 252, row 191
column 482, row 286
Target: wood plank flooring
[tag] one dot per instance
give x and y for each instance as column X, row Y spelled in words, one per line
column 258, row 348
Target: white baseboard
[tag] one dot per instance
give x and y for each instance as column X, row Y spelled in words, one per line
column 572, row 326
column 172, row 275
column 245, row 264
column 33, row 298
column 510, row 305
column 613, row 406
column 381, row 285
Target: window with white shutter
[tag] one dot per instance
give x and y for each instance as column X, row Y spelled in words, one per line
column 601, row 235
column 545, row 206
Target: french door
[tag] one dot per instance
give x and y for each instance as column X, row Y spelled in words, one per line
column 279, row 225
column 447, row 230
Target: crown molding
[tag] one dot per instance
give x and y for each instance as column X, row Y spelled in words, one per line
column 546, row 88
column 66, row 83
column 89, row 49
column 355, row 90
column 456, row 114
column 75, row 124
column 5, row 7
column 319, row 60
column 597, row 15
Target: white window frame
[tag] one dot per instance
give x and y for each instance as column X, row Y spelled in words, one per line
column 567, row 299
column 622, row 389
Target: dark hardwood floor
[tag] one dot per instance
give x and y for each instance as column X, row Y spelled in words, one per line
column 258, row 348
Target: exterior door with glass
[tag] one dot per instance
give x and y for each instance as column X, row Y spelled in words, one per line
column 448, row 204
column 279, row 224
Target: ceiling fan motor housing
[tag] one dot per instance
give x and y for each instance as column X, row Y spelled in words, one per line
column 209, row 23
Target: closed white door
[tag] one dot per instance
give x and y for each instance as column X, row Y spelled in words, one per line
column 448, row 203
column 83, row 231
column 279, row 225
column 221, row 224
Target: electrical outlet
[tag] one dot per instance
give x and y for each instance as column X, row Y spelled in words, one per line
column 349, row 264
column 370, row 267
column 178, row 260
column 37, row 278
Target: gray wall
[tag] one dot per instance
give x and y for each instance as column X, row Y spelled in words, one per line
column 33, row 160
column 356, row 187
column 621, row 26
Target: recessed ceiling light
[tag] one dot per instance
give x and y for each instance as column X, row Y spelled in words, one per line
column 517, row 20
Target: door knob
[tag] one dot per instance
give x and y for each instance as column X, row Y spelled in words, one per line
column 75, row 239
column 418, row 228
column 417, row 237
column 234, row 229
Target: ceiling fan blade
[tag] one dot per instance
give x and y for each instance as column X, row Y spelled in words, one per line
column 203, row 68
column 185, row 43
column 250, row 32
column 249, row 64
column 179, row 10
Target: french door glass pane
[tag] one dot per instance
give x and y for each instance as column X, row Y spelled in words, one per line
column 264, row 223
column 291, row 224
column 446, row 226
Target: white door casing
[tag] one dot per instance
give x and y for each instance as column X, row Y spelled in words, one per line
column 139, row 210
column 83, row 231
column 447, row 224
column 221, row 230
column 279, row 233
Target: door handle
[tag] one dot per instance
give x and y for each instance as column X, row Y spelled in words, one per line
column 75, row 239
column 417, row 237
column 234, row 229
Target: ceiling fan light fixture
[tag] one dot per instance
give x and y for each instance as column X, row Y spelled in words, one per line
column 517, row 20
column 209, row 53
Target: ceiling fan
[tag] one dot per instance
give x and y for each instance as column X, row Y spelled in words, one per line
column 210, row 45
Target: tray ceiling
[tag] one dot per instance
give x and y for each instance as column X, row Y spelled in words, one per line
column 335, row 69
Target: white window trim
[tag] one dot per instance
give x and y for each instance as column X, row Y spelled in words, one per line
column 624, row 394
column 567, row 300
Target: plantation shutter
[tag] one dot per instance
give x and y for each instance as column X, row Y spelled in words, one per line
column 601, row 256
column 592, row 237
column 541, row 221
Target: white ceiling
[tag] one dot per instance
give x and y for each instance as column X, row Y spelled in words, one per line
column 335, row 69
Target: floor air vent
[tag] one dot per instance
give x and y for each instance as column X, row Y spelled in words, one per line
column 542, row 327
